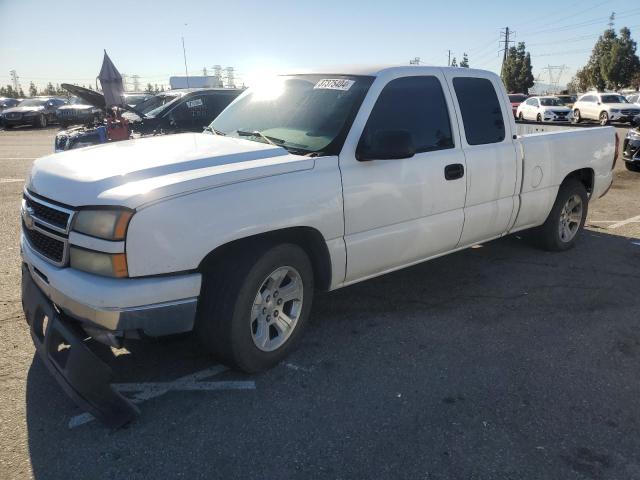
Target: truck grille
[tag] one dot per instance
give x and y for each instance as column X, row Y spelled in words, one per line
column 46, row 228
column 50, row 215
column 47, row 246
column 631, row 112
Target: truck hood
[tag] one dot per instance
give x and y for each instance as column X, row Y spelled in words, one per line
column 140, row 171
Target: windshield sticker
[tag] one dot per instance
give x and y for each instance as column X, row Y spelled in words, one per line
column 334, row 84
column 194, row 103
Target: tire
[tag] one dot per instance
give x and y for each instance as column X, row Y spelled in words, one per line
column 632, row 167
column 539, row 118
column 520, row 117
column 549, row 234
column 230, row 323
column 41, row 122
column 603, row 118
column 576, row 116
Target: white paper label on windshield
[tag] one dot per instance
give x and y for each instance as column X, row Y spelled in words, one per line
column 194, row 103
column 334, row 84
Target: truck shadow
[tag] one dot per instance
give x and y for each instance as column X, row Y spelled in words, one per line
column 496, row 286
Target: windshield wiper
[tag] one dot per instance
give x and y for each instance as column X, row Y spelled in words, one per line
column 276, row 142
column 210, row 129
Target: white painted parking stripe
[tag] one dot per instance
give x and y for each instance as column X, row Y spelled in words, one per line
column 11, row 180
column 625, row 222
column 18, row 158
column 191, row 382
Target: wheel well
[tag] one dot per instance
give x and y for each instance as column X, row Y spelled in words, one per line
column 307, row 238
column 585, row 176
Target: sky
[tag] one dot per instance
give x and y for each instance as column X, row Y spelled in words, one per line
column 258, row 37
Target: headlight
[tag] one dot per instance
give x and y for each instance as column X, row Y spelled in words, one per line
column 106, row 224
column 99, row 263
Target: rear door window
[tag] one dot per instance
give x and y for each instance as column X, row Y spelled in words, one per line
column 481, row 110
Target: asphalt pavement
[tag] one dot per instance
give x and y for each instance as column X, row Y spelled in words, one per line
column 497, row 362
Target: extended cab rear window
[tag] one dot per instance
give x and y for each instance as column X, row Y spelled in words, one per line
column 481, row 112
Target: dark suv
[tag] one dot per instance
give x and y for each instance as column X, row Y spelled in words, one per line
column 78, row 111
column 38, row 111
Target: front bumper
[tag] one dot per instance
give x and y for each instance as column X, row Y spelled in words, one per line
column 62, row 348
column 153, row 306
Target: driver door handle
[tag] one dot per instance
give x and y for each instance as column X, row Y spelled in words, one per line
column 454, row 171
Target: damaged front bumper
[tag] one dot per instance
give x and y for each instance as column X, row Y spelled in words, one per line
column 62, row 346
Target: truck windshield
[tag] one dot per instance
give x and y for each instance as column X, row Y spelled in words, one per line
column 302, row 113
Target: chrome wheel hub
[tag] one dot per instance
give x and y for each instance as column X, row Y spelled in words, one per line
column 276, row 308
column 570, row 218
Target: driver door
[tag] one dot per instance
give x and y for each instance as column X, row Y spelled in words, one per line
column 401, row 211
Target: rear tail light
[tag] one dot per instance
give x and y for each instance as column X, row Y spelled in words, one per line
column 617, row 151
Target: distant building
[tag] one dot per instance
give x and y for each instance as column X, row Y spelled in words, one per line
column 201, row 81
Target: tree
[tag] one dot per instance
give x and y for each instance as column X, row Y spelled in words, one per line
column 454, row 62
column 21, row 93
column 33, row 91
column 49, row 89
column 8, row 91
column 465, row 61
column 613, row 63
column 149, row 88
column 517, row 72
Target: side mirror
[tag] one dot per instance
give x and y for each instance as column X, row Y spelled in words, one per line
column 386, row 145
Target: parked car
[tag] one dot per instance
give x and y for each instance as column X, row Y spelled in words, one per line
column 79, row 111
column 631, row 146
column 168, row 112
column 604, row 107
column 8, row 103
column 310, row 182
column 543, row 109
column 134, row 99
column 634, row 98
column 37, row 111
column 516, row 99
column 567, row 100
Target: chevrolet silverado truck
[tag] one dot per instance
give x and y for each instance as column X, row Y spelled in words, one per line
column 307, row 182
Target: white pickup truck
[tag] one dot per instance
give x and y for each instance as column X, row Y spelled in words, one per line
column 308, row 182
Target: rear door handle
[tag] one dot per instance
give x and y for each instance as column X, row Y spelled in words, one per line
column 454, row 171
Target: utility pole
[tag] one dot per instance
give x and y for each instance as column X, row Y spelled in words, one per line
column 230, row 75
column 204, row 71
column 15, row 80
column 506, row 38
column 449, row 60
column 184, row 54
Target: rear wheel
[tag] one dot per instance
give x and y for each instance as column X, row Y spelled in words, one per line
column 539, row 118
column 604, row 118
column 254, row 307
column 520, row 117
column 566, row 219
column 41, row 121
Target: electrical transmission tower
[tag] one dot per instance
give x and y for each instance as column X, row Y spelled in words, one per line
column 555, row 73
column 136, row 83
column 505, row 38
column 230, row 77
column 15, row 80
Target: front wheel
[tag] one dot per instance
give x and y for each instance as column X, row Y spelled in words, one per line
column 604, row 119
column 576, row 116
column 632, row 167
column 254, row 306
column 41, row 121
column 566, row 219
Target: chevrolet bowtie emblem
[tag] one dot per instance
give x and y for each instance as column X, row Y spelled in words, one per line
column 27, row 217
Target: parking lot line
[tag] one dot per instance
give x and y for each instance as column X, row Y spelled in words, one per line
column 191, row 382
column 625, row 222
column 11, row 180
